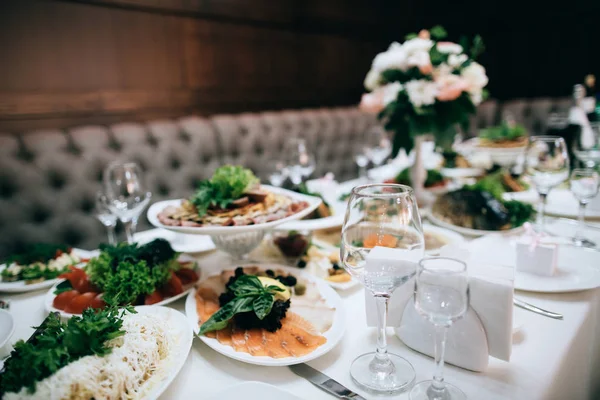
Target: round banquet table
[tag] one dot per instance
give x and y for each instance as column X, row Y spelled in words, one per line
column 551, row 359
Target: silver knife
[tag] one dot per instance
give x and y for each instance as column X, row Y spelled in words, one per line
column 537, row 310
column 324, row 382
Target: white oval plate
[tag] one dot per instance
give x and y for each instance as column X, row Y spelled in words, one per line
column 180, row 242
column 21, row 287
column 336, row 285
column 450, row 237
column 335, row 220
column 577, row 268
column 156, row 208
column 182, row 337
column 469, row 231
column 333, row 335
column 254, row 390
column 560, row 202
column 457, row 173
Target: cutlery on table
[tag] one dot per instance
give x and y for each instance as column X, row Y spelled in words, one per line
column 324, row 382
column 530, row 307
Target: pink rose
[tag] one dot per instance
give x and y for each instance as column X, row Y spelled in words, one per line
column 450, row 87
column 372, row 102
column 426, row 69
column 424, row 34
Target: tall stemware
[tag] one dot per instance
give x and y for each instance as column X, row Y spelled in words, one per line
column 584, row 186
column 547, row 163
column 382, row 241
column 442, row 297
column 126, row 193
column 300, row 162
column 379, row 146
column 106, row 217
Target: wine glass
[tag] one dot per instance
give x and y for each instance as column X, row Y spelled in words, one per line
column 584, row 186
column 379, row 146
column 126, row 193
column 547, row 163
column 442, row 297
column 277, row 173
column 382, row 242
column 300, row 163
column 106, row 217
column 361, row 160
column 587, row 146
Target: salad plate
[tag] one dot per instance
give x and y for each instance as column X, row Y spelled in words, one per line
column 329, row 298
column 468, row 231
column 338, row 210
column 180, row 242
column 22, row 287
column 156, row 208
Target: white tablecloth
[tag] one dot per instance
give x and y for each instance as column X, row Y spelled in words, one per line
column 551, row 359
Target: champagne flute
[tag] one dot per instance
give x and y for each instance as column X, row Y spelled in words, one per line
column 106, row 217
column 300, row 163
column 382, row 242
column 126, row 193
column 442, row 297
column 584, row 186
column 547, row 163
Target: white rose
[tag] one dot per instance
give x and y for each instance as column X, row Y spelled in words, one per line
column 449, row 48
column 475, row 77
column 419, row 59
column 417, row 45
column 393, row 58
column 421, row 92
column 372, row 79
column 390, row 92
column 476, row 97
column 456, row 60
column 442, row 70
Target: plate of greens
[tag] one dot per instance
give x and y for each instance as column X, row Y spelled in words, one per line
column 38, row 267
column 126, row 274
column 266, row 314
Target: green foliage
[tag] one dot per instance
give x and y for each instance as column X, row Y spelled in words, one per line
column 125, row 272
column 438, row 32
column 56, row 344
column 519, row 212
column 39, row 252
column 492, row 183
column 227, row 184
column 433, row 177
column 503, row 132
column 249, row 296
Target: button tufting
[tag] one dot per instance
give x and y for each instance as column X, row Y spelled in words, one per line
column 175, row 163
column 8, row 186
column 40, row 214
column 56, row 179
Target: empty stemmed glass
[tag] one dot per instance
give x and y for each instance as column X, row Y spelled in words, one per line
column 379, row 146
column 382, row 241
column 361, row 160
column 584, row 186
column 106, row 217
column 126, row 193
column 587, row 146
column 547, row 163
column 442, row 297
column 277, row 173
column 300, row 163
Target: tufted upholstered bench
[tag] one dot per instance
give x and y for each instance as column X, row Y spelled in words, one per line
column 48, row 179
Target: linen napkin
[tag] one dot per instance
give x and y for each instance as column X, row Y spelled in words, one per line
column 491, row 288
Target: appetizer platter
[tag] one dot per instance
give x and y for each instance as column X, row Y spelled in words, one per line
column 457, row 166
column 435, row 182
column 151, row 274
column 39, row 266
column 180, row 242
column 504, row 144
column 480, row 208
column 101, row 354
column 232, row 201
column 268, row 315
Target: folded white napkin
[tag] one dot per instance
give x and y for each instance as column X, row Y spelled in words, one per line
column 491, row 288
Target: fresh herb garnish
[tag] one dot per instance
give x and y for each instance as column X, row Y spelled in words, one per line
column 125, row 272
column 33, row 262
column 227, row 184
column 433, row 177
column 58, row 344
column 519, row 212
column 503, row 132
column 247, row 295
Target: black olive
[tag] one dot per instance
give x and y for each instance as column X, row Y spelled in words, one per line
column 270, row 273
column 301, row 264
column 239, row 271
column 336, row 266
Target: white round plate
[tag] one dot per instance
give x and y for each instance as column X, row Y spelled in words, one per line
column 254, row 390
column 180, row 242
column 577, row 270
column 156, row 208
column 337, row 219
column 336, row 285
column 458, row 173
column 450, row 237
column 333, row 335
column 182, row 337
column 21, row 287
column 469, row 231
column 560, row 202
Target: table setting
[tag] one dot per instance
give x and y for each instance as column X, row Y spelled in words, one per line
column 447, row 269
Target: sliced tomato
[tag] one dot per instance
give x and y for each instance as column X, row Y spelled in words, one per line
column 84, row 285
column 186, row 275
column 153, row 298
column 64, row 298
column 173, row 287
column 80, row 303
column 97, row 302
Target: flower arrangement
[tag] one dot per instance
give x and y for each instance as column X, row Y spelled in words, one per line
column 425, row 86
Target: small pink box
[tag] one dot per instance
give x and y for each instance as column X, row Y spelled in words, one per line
column 539, row 258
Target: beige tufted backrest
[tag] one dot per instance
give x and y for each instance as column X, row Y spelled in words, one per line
column 48, row 179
